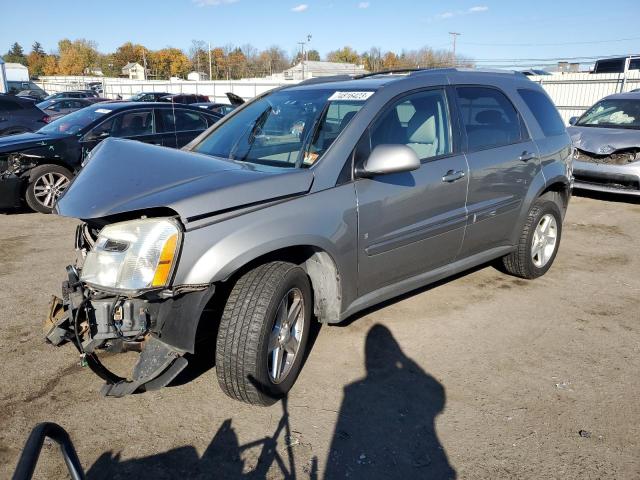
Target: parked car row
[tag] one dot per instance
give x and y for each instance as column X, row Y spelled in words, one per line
column 37, row 167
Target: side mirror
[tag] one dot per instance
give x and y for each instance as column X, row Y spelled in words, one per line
column 386, row 159
column 573, row 120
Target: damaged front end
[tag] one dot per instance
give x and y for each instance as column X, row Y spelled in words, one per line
column 13, row 166
column 121, row 302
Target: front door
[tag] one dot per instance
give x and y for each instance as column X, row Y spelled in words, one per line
column 413, row 222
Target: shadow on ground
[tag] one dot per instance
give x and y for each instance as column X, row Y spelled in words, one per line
column 385, row 429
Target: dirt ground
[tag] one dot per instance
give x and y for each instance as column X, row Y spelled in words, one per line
column 483, row 376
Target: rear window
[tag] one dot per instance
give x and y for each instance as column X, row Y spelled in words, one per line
column 545, row 112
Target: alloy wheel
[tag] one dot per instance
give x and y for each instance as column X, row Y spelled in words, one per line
column 286, row 335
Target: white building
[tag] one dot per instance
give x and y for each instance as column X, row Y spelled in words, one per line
column 312, row 69
column 134, row 71
column 197, row 76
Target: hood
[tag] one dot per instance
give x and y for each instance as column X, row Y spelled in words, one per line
column 125, row 175
column 590, row 139
column 12, row 143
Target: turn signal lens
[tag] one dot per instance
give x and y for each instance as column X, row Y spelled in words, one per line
column 161, row 277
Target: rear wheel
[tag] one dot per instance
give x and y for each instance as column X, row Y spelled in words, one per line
column 263, row 333
column 538, row 243
column 46, row 185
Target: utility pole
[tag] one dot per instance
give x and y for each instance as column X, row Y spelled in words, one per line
column 210, row 76
column 144, row 62
column 302, row 57
column 454, row 35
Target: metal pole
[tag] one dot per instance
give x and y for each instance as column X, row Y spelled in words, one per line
column 210, row 75
column 302, row 57
column 454, row 35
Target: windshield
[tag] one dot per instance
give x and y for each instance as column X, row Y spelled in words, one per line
column 138, row 96
column 289, row 128
column 76, row 121
column 614, row 113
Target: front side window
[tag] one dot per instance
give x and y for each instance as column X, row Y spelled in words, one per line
column 288, row 128
column 133, row 124
column 613, row 113
column 489, row 118
column 544, row 111
column 420, row 121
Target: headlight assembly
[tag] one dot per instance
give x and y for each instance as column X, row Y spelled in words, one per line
column 134, row 255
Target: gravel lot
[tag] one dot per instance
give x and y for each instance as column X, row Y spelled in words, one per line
column 482, row 376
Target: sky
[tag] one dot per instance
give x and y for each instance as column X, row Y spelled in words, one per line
column 490, row 29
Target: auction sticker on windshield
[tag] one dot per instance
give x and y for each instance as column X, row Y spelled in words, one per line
column 362, row 96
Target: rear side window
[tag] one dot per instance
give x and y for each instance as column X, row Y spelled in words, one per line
column 489, row 118
column 9, row 106
column 182, row 120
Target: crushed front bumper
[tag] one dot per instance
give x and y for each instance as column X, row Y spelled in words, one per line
column 99, row 322
column 11, row 188
column 610, row 178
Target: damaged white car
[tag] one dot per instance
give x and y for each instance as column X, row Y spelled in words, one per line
column 607, row 141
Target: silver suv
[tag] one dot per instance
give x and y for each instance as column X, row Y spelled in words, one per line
column 312, row 201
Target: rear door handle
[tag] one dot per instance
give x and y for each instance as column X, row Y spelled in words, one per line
column 452, row 176
column 526, row 156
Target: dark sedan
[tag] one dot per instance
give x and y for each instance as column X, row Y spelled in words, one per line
column 185, row 98
column 19, row 115
column 60, row 107
column 72, row 94
column 148, row 96
column 38, row 167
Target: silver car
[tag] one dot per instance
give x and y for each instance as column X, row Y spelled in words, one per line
column 607, row 141
column 311, row 202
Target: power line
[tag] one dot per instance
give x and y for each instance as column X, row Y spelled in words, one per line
column 549, row 44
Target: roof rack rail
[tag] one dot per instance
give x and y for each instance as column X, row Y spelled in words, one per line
column 332, row 78
column 388, row 72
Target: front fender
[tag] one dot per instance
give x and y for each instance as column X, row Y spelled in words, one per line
column 325, row 220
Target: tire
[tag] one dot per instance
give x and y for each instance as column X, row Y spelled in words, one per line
column 55, row 177
column 248, row 331
column 527, row 262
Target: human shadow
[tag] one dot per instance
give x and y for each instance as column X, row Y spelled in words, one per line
column 386, row 423
column 223, row 459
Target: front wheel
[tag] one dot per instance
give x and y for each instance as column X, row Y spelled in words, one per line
column 47, row 183
column 538, row 244
column 263, row 333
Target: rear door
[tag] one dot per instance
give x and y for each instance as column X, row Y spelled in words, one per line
column 413, row 222
column 503, row 161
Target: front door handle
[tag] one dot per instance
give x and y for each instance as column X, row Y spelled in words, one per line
column 526, row 156
column 452, row 176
